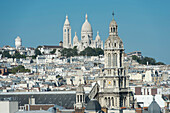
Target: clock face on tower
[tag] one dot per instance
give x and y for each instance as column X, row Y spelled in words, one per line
column 109, row 83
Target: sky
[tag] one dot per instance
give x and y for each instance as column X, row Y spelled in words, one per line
column 143, row 25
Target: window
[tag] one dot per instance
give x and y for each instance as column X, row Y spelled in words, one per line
column 112, row 101
column 115, row 59
column 109, row 59
column 115, row 44
column 77, row 98
column 113, row 29
column 109, row 101
column 80, row 98
column 114, row 83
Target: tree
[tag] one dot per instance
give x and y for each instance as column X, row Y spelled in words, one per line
column 92, row 52
column 69, row 52
column 160, row 63
column 99, row 51
column 37, row 52
column 19, row 68
column 6, row 54
column 18, row 55
column 144, row 60
column 75, row 53
column 53, row 51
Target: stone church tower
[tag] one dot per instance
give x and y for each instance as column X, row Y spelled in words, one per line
column 112, row 87
column 67, row 34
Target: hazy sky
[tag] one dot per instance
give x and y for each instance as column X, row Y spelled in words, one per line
column 143, row 25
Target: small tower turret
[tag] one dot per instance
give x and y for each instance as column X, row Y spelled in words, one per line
column 80, row 97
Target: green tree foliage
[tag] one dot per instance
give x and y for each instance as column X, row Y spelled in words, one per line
column 160, row 63
column 151, row 61
column 86, row 52
column 69, row 52
column 6, row 54
column 37, row 52
column 92, row 52
column 19, row 68
column 75, row 53
column 18, row 55
column 53, row 51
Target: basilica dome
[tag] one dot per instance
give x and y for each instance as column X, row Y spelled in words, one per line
column 97, row 37
column 113, row 22
column 18, row 38
column 75, row 39
column 86, row 27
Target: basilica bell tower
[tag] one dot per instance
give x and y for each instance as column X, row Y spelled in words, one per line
column 114, row 90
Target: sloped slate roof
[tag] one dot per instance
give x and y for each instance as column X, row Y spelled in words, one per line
column 66, row 99
column 154, row 107
column 93, row 105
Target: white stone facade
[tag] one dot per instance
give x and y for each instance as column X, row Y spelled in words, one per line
column 67, row 34
column 18, row 42
column 114, row 91
column 86, row 37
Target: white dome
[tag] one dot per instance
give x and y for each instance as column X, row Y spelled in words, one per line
column 18, row 42
column 18, row 38
column 97, row 37
column 75, row 39
column 86, row 27
column 113, row 22
column 66, row 23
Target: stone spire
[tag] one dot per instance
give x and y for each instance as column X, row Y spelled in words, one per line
column 86, row 17
column 113, row 27
column 67, row 34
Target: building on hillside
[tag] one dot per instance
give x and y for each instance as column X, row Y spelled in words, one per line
column 46, row 49
column 136, row 53
column 86, row 36
column 18, row 42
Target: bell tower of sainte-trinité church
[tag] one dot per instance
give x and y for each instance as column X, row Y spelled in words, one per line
column 114, row 84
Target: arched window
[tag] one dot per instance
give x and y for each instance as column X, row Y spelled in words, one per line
column 114, row 83
column 115, row 44
column 80, row 98
column 65, row 30
column 120, row 59
column 109, row 60
column 77, row 98
column 115, row 59
column 109, row 101
column 109, row 44
column 113, row 29
column 112, row 101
